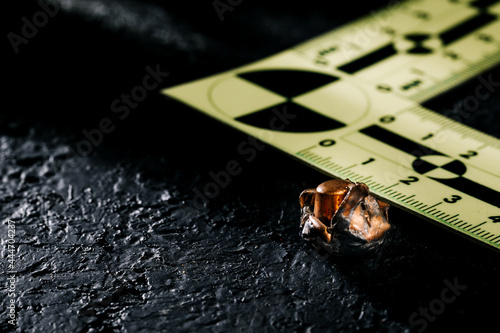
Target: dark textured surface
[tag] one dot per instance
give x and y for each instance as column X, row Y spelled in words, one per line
column 107, row 243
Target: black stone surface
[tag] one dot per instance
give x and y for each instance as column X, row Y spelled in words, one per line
column 106, row 242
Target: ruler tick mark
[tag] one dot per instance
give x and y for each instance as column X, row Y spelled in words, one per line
column 347, row 168
column 306, row 149
column 479, row 233
column 496, row 239
column 477, row 226
column 324, row 160
column 425, row 210
column 411, row 196
column 391, row 186
column 449, row 218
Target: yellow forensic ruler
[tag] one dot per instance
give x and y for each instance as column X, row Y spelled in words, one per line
column 348, row 104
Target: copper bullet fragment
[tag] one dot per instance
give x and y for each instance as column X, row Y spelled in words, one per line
column 343, row 217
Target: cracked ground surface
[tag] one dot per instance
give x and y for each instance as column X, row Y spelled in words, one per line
column 110, row 242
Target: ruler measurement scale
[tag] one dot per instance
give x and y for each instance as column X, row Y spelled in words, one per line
column 453, row 36
column 391, row 193
column 359, row 117
column 404, row 200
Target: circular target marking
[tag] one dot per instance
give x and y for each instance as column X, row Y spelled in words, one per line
column 287, row 100
column 418, row 43
column 439, row 166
